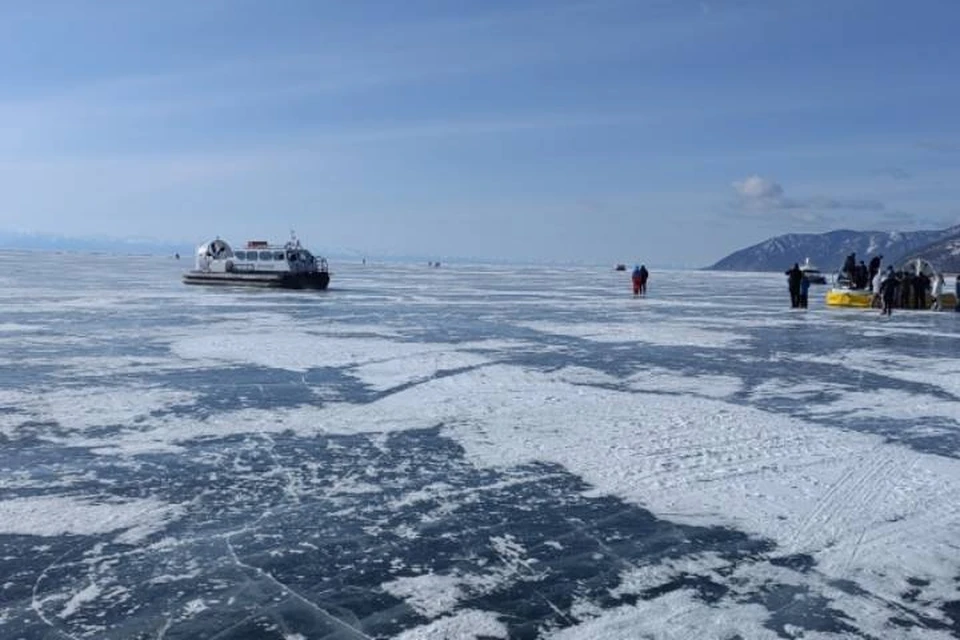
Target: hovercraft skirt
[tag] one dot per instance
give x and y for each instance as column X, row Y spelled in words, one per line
column 314, row 280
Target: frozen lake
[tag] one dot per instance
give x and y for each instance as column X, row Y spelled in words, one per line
column 470, row 452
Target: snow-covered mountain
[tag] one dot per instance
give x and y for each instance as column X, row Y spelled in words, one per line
column 944, row 252
column 828, row 250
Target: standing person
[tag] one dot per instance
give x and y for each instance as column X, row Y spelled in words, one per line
column 863, row 276
column 637, row 279
column 875, row 300
column 937, row 293
column 906, row 290
column 849, row 266
column 957, row 308
column 644, row 276
column 874, row 268
column 804, row 288
column 794, row 276
column 921, row 286
column 888, row 289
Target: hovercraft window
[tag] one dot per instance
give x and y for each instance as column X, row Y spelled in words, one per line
column 266, row 255
column 252, row 255
column 241, row 255
column 278, row 255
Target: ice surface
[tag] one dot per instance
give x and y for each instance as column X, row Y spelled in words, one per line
column 472, row 452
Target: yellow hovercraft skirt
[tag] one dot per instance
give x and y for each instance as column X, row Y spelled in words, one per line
column 849, row 298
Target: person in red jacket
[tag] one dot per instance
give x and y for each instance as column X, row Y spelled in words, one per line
column 637, row 278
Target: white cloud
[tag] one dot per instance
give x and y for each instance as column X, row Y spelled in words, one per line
column 756, row 188
column 759, row 195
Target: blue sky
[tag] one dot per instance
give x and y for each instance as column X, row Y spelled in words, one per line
column 668, row 132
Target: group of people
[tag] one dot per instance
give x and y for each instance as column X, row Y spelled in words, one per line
column 799, row 285
column 906, row 290
column 860, row 275
column 639, row 279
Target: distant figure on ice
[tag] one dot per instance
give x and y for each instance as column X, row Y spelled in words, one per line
column 804, row 288
column 637, row 279
column 794, row 277
column 176, row 255
column 957, row 308
column 888, row 292
column 644, row 276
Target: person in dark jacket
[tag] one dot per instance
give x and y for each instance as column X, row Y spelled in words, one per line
column 888, row 292
column 862, row 275
column 644, row 276
column 849, row 266
column 920, row 291
column 794, row 276
column 804, row 288
column 874, row 269
column 906, row 290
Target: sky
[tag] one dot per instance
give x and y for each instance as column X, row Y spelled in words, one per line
column 590, row 131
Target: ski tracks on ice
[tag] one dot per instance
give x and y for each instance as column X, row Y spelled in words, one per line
column 875, row 497
column 687, row 453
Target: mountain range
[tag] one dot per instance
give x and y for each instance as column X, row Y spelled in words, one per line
column 91, row 244
column 828, row 250
column 24, row 241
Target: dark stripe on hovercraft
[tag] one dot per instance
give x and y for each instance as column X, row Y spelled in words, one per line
column 318, row 280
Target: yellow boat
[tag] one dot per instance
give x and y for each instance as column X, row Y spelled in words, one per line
column 862, row 299
column 843, row 297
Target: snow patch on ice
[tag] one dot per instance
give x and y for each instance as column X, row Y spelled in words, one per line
column 686, row 617
column 294, row 350
column 829, row 492
column 660, row 379
column 462, row 625
column 59, row 515
column 430, row 594
column 388, row 374
column 937, row 372
column 92, row 407
column 195, row 606
column 659, row 334
column 88, row 594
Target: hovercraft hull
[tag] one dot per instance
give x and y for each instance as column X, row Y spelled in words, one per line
column 318, row 280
